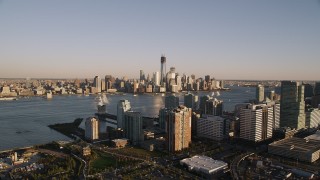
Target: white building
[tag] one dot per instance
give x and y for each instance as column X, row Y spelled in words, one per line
column 92, row 129
column 97, row 83
column 213, row 127
column 204, row 164
column 313, row 118
column 179, row 83
column 276, row 113
column 122, row 107
column 156, row 78
column 256, row 122
column 260, row 93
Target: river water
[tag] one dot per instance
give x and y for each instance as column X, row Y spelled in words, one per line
column 25, row 122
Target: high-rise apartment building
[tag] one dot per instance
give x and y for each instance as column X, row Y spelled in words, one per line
column 203, row 101
column 276, row 115
column 256, row 122
column 191, row 101
column 132, row 127
column 108, row 82
column 317, row 88
column 292, row 110
column 178, row 129
column 313, row 118
column 122, row 107
column 308, row 90
column 179, row 83
column 163, row 117
column 92, row 128
column 97, row 83
column 214, row 107
column 156, row 78
column 260, row 93
column 171, row 101
column 213, row 127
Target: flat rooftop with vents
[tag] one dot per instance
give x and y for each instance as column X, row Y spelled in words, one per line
column 204, row 164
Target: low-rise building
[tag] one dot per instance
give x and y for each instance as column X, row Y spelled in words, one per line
column 120, row 143
column 204, row 164
column 86, row 151
column 307, row 150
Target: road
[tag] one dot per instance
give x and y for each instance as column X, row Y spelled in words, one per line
column 85, row 165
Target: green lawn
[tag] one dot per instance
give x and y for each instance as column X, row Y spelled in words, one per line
column 103, row 161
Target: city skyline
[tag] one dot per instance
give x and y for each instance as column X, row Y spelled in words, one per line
column 269, row 40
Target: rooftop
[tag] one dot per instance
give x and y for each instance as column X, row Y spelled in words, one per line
column 298, row 144
column 315, row 136
column 204, row 164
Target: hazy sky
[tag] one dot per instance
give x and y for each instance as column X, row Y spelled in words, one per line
column 267, row 39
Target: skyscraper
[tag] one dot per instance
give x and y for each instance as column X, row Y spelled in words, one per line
column 313, row 118
column 276, row 116
column 308, row 90
column 179, row 129
column 203, row 101
column 171, row 102
column 142, row 76
column 97, row 83
column 317, row 88
column 163, row 117
column 213, row 107
column 213, row 127
column 256, row 122
column 133, row 127
column 122, row 107
column 292, row 109
column 191, row 101
column 207, row 78
column 92, row 129
column 260, row 93
column 108, row 82
column 163, row 70
column 156, row 78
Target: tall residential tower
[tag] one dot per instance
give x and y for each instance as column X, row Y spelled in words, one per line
column 292, row 109
column 123, row 106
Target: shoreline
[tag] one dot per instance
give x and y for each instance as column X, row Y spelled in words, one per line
column 117, row 93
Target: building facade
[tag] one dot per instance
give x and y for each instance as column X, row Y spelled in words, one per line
column 213, row 127
column 260, row 93
column 299, row 149
column 292, row 110
column 203, row 101
column 191, row 101
column 171, row 102
column 133, row 127
column 312, row 118
column 97, row 83
column 214, row 107
column 122, row 107
column 92, row 129
column 256, row 122
column 178, row 128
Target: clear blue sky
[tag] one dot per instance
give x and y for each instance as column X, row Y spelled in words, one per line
column 267, row 39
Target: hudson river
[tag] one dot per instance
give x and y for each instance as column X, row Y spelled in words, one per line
column 24, row 122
